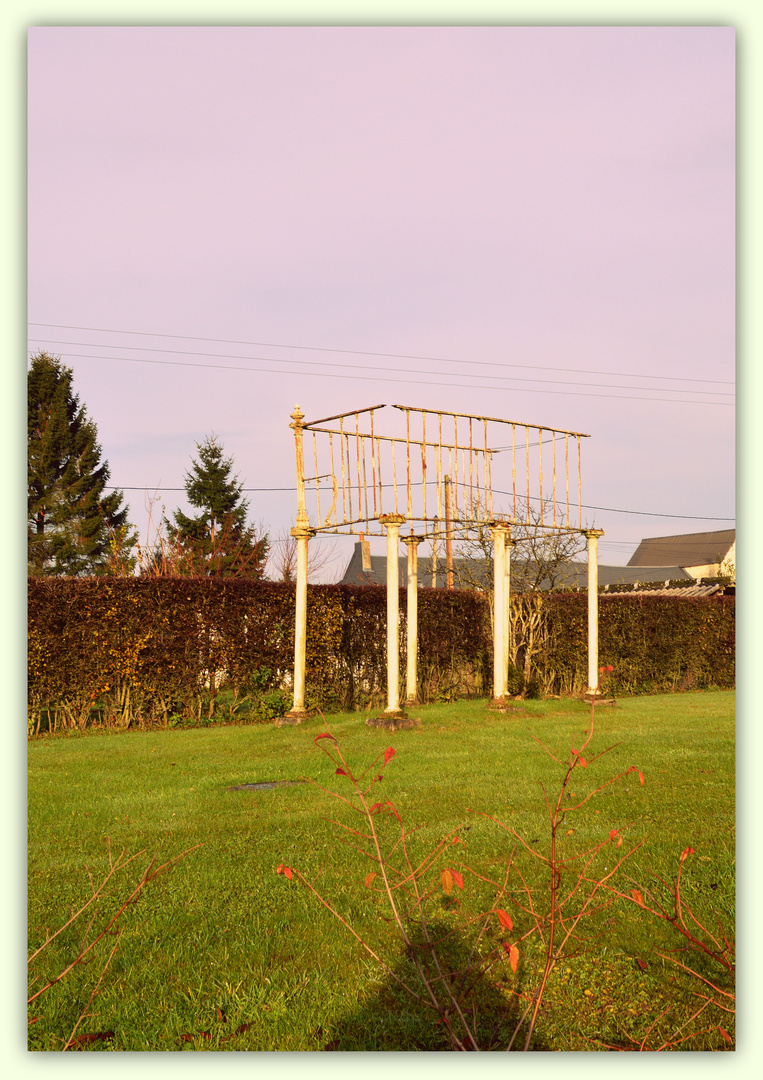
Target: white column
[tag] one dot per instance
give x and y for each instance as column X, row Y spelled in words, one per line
column 499, row 611
column 593, row 608
column 392, row 523
column 509, row 543
column 412, row 643
column 297, row 711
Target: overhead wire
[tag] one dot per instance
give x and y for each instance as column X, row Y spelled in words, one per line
column 411, row 371
column 399, row 381
column 394, row 356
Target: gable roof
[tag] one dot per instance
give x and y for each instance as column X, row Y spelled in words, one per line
column 686, row 549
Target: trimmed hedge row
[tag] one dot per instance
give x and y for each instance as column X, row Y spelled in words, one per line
column 141, row 651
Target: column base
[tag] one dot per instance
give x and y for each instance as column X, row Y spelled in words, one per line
column 296, row 716
column 595, row 698
column 507, row 705
column 393, row 721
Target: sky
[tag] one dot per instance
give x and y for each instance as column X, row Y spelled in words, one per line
column 532, row 223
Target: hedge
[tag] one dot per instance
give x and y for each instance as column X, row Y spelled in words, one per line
column 146, row 651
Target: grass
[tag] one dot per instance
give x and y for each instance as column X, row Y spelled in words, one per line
column 222, row 953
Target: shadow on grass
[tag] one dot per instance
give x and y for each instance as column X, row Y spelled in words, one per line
column 392, row 1019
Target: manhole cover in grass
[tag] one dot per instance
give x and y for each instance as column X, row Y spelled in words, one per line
column 265, row 786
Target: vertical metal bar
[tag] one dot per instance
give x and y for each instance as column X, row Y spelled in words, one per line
column 297, row 426
column 379, row 470
column 527, row 462
column 471, row 471
column 373, row 464
column 344, row 473
column 317, row 481
column 455, row 454
column 580, row 488
column 439, row 470
column 487, row 487
column 393, row 444
column 357, row 455
column 333, row 477
column 540, row 470
column 408, row 460
column 448, row 539
column 424, row 461
column 514, row 471
column 553, row 468
column 566, row 473
column 348, row 478
column 365, row 478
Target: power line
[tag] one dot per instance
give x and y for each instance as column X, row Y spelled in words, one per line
column 381, row 378
column 407, row 371
column 585, row 506
column 394, row 356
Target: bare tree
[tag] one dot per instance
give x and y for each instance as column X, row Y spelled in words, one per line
column 282, row 559
column 540, row 561
column 540, row 558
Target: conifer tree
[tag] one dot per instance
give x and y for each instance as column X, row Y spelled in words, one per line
column 73, row 526
column 218, row 541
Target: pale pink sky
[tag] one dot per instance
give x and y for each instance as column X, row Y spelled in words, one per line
column 557, row 202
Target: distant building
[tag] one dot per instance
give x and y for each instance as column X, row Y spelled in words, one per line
column 704, row 554
column 658, row 563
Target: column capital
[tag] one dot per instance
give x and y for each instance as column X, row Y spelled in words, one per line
column 300, row 532
column 391, row 519
column 592, row 533
column 413, row 540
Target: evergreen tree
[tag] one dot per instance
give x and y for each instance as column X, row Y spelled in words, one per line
column 73, row 526
column 217, row 541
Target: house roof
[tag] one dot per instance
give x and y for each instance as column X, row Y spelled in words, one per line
column 686, row 549
column 467, row 573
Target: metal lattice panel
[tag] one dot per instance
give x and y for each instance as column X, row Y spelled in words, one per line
column 439, row 470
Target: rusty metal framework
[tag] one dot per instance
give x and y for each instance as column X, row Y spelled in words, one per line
column 441, row 474
column 434, row 467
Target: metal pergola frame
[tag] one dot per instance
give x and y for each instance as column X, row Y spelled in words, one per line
column 440, row 482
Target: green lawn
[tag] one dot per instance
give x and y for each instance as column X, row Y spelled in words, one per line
column 222, row 940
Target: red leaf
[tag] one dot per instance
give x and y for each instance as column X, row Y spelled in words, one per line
column 687, row 851
column 446, row 879
column 341, row 772
column 457, row 879
column 641, row 964
column 641, row 777
column 377, row 807
column 504, row 919
column 324, row 735
column 637, row 897
column 388, row 755
column 456, row 840
column 725, row 1034
column 287, row 872
column 513, row 952
column 582, row 761
column 369, row 878
column 613, row 834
